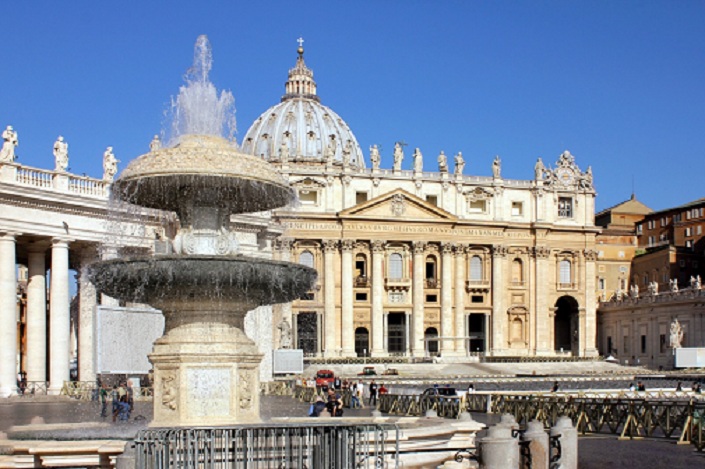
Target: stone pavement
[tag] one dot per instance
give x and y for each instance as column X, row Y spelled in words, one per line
column 595, row 452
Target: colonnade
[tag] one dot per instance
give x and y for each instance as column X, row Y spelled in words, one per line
column 40, row 331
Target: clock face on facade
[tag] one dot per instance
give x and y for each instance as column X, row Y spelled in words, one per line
column 565, row 176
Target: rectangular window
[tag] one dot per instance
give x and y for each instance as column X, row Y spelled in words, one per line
column 564, row 272
column 663, row 221
column 477, row 206
column 431, row 298
column 517, row 209
column 689, row 231
column 432, row 199
column 601, row 283
column 699, row 229
column 625, row 343
column 677, row 217
column 689, row 243
column 687, row 215
column 662, row 343
column 360, row 197
column 477, row 299
column 360, row 296
column 643, row 344
column 307, row 297
column 638, row 229
column 652, row 240
column 565, row 207
column 307, row 197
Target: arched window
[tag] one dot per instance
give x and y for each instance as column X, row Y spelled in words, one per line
column 476, row 268
column 395, row 265
column 517, row 271
column 306, row 258
column 564, row 272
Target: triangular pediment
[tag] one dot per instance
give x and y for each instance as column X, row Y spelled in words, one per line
column 397, row 204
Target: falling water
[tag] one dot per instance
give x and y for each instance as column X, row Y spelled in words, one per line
column 198, row 108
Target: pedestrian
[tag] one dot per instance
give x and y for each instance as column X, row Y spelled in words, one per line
column 360, row 394
column 679, row 387
column 471, row 388
column 640, row 386
column 115, row 397
column 354, row 399
column 124, row 409
column 336, row 383
column 382, row 390
column 334, row 404
column 130, row 393
column 373, row 393
column 554, row 388
column 317, row 407
column 103, row 396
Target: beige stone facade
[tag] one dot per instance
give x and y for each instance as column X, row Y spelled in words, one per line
column 418, row 262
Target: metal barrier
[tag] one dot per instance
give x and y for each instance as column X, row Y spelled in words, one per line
column 33, row 388
column 315, row 446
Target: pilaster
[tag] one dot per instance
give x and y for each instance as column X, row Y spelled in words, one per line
column 418, row 348
column 36, row 312
column 377, row 298
column 86, row 319
column 346, row 283
column 330, row 248
column 499, row 316
column 461, row 346
column 447, row 346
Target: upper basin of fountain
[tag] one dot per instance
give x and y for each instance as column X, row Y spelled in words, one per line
column 206, row 169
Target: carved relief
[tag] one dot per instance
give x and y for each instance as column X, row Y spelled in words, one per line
column 347, row 244
column 542, row 252
column 590, row 254
column 499, row 250
column 478, row 193
column 398, row 205
column 378, row 245
column 244, row 385
column 170, row 385
column 419, row 247
column 448, row 248
column 330, row 245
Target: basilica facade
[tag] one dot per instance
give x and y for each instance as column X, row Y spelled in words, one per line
column 426, row 261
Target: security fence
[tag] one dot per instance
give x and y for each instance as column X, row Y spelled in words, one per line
column 314, row 446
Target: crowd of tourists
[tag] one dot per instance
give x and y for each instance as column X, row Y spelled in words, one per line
column 122, row 398
column 330, row 400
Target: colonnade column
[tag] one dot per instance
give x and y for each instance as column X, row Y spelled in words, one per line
column 590, row 302
column 8, row 315
column 59, row 319
column 499, row 316
column 346, row 284
column 330, row 247
column 86, row 319
column 377, row 298
column 543, row 318
column 461, row 345
column 447, row 346
column 418, row 348
column 36, row 312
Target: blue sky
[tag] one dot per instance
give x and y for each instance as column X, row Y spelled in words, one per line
column 619, row 84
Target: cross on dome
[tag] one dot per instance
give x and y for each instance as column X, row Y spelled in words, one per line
column 300, row 40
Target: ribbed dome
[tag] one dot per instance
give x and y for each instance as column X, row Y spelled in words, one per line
column 302, row 127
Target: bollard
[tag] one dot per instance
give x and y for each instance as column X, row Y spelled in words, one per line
column 499, row 450
column 538, row 444
column 569, row 442
column 509, row 421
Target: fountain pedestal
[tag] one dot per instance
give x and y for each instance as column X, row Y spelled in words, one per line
column 206, row 370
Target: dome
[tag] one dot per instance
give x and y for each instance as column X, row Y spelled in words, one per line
column 301, row 128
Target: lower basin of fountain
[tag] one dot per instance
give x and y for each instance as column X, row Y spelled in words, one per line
column 157, row 279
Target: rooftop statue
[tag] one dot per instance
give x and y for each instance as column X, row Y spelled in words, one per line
column 284, row 152
column 539, row 169
column 398, row 156
column 61, row 154
column 374, row 157
column 10, row 142
column 418, row 160
column 347, row 153
column 155, row 144
column 109, row 165
column 442, row 163
column 676, row 334
column 459, row 164
column 497, row 168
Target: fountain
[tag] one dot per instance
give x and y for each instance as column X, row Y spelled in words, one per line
column 205, row 367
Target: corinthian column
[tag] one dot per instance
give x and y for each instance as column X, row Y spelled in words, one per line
column 330, row 248
column 447, row 346
column 377, row 298
column 346, row 284
column 59, row 320
column 461, row 346
column 36, row 313
column 86, row 319
column 543, row 316
column 588, row 348
column 418, row 348
column 8, row 315
column 499, row 316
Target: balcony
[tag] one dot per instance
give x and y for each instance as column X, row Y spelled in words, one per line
column 566, row 286
column 477, row 286
column 362, row 281
column 432, row 283
column 397, row 283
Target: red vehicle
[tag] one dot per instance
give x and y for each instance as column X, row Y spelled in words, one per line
column 324, row 378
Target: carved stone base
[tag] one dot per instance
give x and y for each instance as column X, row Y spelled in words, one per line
column 205, row 373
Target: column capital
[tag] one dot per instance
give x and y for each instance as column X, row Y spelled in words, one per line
column 460, row 249
column 60, row 241
column 447, row 247
column 419, row 247
column 347, row 245
column 499, row 250
column 541, row 252
column 330, row 245
column 9, row 235
column 378, row 245
column 590, row 254
column 283, row 244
